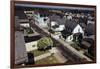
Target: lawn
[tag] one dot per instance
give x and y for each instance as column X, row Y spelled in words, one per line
column 29, row 30
column 48, row 60
column 74, row 44
column 37, row 52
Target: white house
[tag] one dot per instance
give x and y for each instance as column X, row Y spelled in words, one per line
column 53, row 23
column 60, row 28
column 25, row 24
column 77, row 29
column 69, row 38
column 38, row 19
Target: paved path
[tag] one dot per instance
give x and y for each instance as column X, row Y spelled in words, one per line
column 42, row 56
column 53, row 50
column 58, row 55
column 74, row 51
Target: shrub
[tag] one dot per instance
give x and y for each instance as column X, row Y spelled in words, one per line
column 44, row 43
column 29, row 30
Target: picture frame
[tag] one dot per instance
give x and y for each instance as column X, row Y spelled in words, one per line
column 40, row 24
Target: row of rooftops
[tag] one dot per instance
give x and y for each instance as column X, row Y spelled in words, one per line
column 68, row 20
column 69, row 23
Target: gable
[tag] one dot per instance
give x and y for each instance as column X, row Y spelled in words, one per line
column 78, row 29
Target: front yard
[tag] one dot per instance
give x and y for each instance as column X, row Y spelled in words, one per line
column 37, row 52
column 48, row 60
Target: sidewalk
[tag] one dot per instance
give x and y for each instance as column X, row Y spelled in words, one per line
column 42, row 56
column 58, row 55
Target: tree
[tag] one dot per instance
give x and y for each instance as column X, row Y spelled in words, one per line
column 44, row 43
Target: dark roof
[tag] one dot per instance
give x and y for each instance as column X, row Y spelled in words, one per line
column 70, row 25
column 83, row 25
column 58, row 19
column 21, row 14
column 56, row 26
column 89, row 40
column 89, row 29
column 32, row 38
column 83, row 20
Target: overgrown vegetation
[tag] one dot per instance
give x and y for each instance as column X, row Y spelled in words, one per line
column 29, row 30
column 37, row 52
column 75, row 45
column 44, row 43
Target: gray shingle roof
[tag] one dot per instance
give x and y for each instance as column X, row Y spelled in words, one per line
column 20, row 14
column 58, row 19
column 90, row 29
column 70, row 25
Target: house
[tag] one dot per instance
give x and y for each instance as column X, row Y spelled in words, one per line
column 78, row 29
column 40, row 20
column 56, row 18
column 30, row 46
column 31, row 42
column 89, row 29
column 57, row 23
column 68, row 27
column 88, row 44
column 24, row 22
column 25, row 25
column 73, row 30
column 76, row 34
column 57, row 28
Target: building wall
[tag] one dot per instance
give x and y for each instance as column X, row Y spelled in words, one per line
column 78, row 29
column 31, row 46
